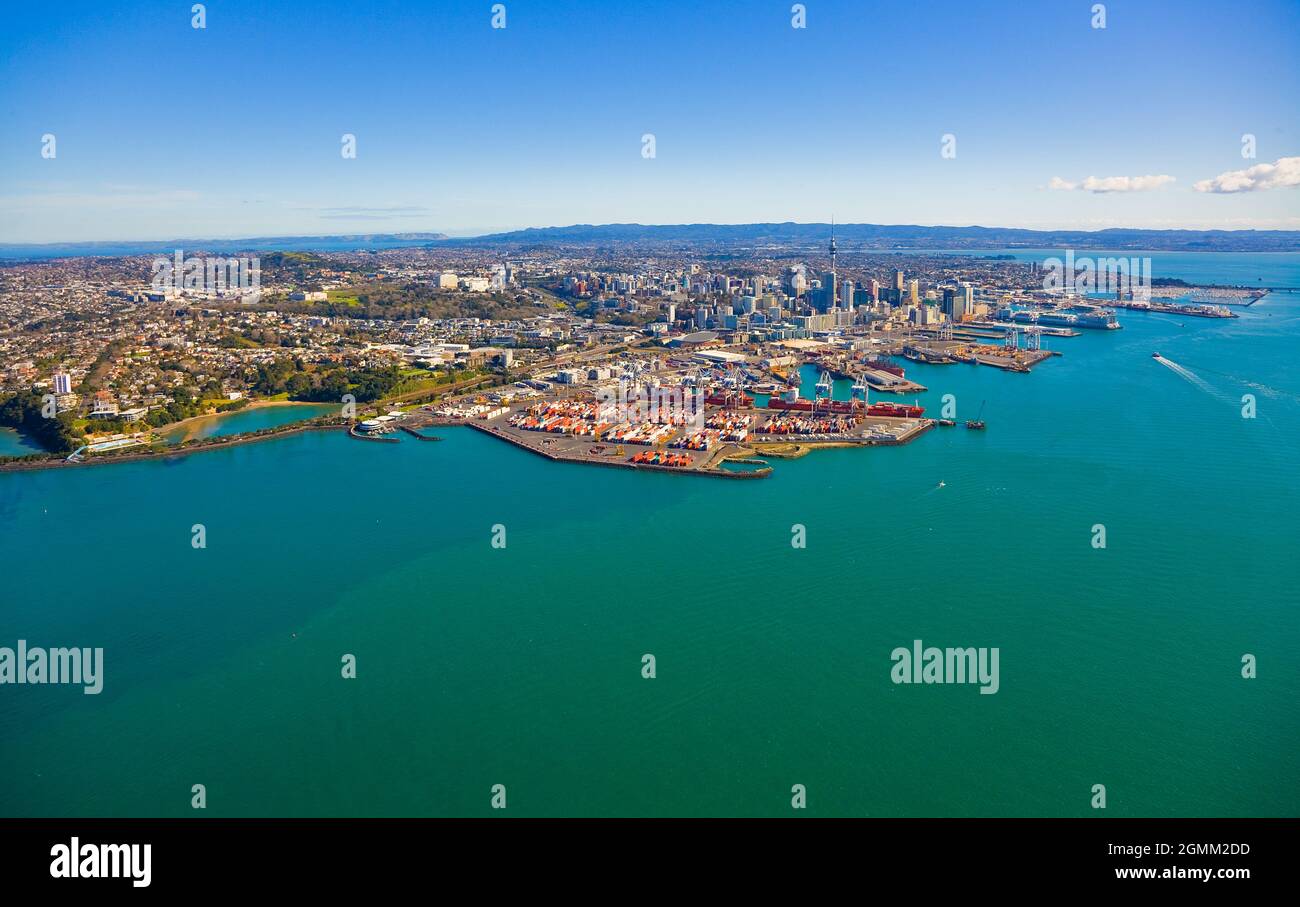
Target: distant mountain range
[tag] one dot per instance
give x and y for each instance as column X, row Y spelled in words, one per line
column 340, row 243
column 882, row 237
column 886, row 237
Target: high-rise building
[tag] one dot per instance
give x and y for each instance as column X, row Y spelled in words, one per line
column 898, row 280
column 914, row 291
column 796, row 280
column 825, row 298
column 846, row 295
column 62, row 383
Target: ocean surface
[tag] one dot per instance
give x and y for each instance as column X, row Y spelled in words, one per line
column 522, row 665
column 246, row 420
column 1275, row 270
column 16, row 444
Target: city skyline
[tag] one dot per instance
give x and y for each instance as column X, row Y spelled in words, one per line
column 462, row 128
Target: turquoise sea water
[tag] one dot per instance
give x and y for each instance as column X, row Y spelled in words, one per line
column 1277, row 270
column 247, row 420
column 522, row 666
column 14, row 444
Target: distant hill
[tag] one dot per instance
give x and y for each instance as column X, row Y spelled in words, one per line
column 339, row 243
column 883, row 236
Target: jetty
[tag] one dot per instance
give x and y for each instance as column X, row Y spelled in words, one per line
column 417, row 435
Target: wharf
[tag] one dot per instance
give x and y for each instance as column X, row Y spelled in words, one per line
column 415, row 434
column 570, row 449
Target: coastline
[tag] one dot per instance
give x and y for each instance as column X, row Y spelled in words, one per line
column 60, row 461
column 195, row 421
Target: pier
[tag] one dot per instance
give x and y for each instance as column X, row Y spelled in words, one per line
column 415, row 434
column 569, row 449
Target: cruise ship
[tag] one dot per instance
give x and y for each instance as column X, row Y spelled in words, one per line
column 1099, row 319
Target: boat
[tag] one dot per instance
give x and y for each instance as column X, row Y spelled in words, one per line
column 729, row 398
column 900, row 410
column 978, row 422
column 884, row 365
column 942, row 483
column 1155, row 356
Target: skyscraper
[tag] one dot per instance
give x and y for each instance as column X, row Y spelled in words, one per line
column 949, row 297
column 898, row 280
column 964, row 304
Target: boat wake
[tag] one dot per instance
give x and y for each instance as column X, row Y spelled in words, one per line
column 1190, row 377
column 1185, row 372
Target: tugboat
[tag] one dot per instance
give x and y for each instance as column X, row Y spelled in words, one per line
column 977, row 423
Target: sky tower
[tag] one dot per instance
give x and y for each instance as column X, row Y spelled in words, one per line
column 832, row 247
column 834, row 287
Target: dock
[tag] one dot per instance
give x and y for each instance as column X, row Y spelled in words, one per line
column 415, row 434
column 564, row 449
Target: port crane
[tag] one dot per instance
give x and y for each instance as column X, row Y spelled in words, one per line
column 824, row 385
column 859, row 389
column 823, row 390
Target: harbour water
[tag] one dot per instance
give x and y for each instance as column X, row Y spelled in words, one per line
column 246, row 420
column 1273, row 270
column 522, row 665
column 16, row 444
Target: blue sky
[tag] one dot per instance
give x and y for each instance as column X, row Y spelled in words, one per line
column 164, row 131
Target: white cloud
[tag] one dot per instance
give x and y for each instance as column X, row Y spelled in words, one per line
column 1284, row 173
column 1102, row 184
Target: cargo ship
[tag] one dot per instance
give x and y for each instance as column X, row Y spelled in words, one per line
column 900, row 410
column 884, row 365
column 895, row 410
column 729, row 398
